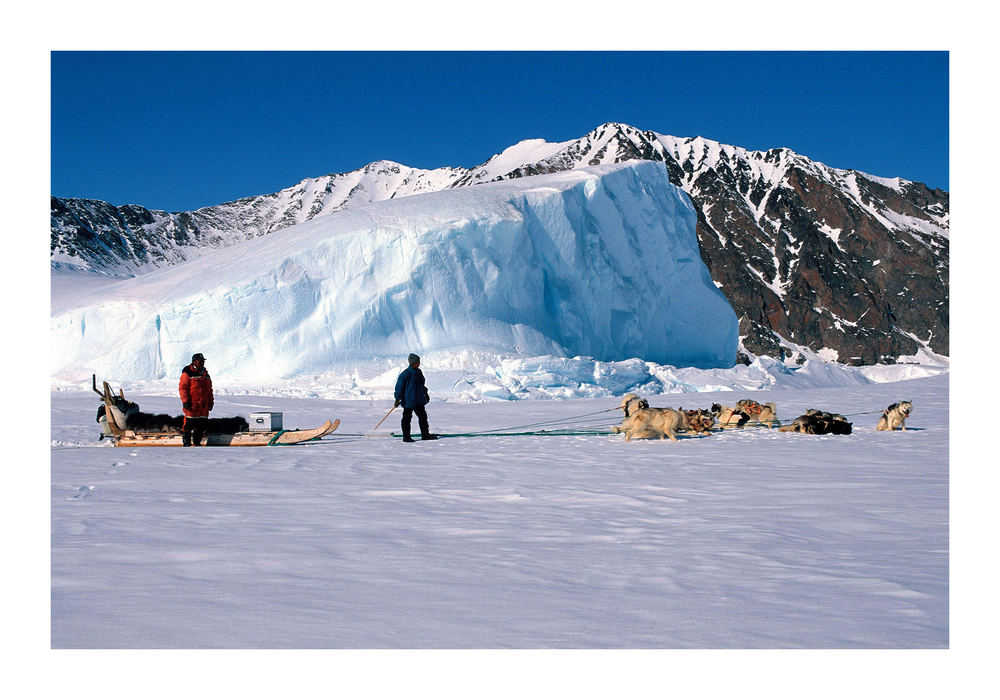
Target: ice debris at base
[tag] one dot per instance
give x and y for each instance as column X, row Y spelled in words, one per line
column 475, row 377
column 600, row 262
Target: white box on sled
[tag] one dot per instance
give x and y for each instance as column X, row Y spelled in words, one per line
column 265, row 422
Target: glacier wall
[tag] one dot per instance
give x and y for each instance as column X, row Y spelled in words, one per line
column 599, row 262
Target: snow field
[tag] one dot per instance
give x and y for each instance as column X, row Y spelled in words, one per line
column 742, row 539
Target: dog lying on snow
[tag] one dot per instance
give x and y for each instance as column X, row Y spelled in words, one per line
column 816, row 422
column 643, row 422
column 698, row 420
column 727, row 416
column 895, row 416
column 746, row 410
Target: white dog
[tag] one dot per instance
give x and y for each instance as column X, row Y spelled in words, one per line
column 895, row 416
column 642, row 422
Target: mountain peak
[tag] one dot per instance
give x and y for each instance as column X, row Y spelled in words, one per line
column 802, row 250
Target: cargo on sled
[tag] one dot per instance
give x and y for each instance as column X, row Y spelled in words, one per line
column 122, row 421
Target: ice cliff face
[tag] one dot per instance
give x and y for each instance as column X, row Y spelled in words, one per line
column 848, row 265
column 601, row 262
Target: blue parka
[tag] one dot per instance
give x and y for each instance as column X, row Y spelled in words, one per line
column 410, row 388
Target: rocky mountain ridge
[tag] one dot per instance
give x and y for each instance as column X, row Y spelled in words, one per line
column 850, row 265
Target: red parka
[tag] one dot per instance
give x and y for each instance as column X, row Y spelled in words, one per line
column 196, row 387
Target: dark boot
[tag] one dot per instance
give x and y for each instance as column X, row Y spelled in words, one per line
column 186, row 438
column 404, row 423
column 199, row 431
column 425, row 428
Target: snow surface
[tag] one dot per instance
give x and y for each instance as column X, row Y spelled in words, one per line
column 749, row 538
column 516, row 156
column 577, row 287
column 598, row 262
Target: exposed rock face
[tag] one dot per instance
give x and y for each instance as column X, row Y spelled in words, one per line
column 848, row 264
column 821, row 257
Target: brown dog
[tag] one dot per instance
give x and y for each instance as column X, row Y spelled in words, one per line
column 895, row 416
column 698, row 421
column 765, row 414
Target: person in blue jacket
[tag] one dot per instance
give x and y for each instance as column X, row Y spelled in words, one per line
column 411, row 394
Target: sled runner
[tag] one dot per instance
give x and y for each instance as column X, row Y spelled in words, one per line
column 123, row 437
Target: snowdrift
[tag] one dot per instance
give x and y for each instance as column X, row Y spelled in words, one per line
column 601, row 262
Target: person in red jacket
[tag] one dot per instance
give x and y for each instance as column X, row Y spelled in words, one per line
column 197, row 399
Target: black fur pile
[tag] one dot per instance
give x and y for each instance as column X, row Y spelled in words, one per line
column 154, row 423
column 815, row 422
column 236, row 424
column 163, row 423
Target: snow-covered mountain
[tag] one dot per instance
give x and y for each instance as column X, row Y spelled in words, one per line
column 95, row 236
column 600, row 262
column 850, row 265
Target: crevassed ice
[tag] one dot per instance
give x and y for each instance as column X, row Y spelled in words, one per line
column 598, row 262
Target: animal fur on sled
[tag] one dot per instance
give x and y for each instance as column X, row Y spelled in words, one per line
column 642, row 422
column 816, row 422
column 895, row 416
column 128, row 417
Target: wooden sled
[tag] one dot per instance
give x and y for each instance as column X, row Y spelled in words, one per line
column 130, row 438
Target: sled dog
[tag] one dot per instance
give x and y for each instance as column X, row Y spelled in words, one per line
column 766, row 414
column 642, row 422
column 895, row 416
column 816, row 422
column 697, row 420
column 729, row 417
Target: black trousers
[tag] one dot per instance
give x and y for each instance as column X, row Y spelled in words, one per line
column 421, row 421
column 194, row 430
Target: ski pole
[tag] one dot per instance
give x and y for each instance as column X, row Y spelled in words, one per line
column 383, row 418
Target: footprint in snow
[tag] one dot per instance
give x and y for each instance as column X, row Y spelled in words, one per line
column 83, row 492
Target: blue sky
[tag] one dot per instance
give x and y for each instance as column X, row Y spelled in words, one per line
column 182, row 130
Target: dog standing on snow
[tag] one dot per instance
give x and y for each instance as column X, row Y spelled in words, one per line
column 895, row 416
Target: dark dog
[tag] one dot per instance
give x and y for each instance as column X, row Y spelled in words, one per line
column 816, row 422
